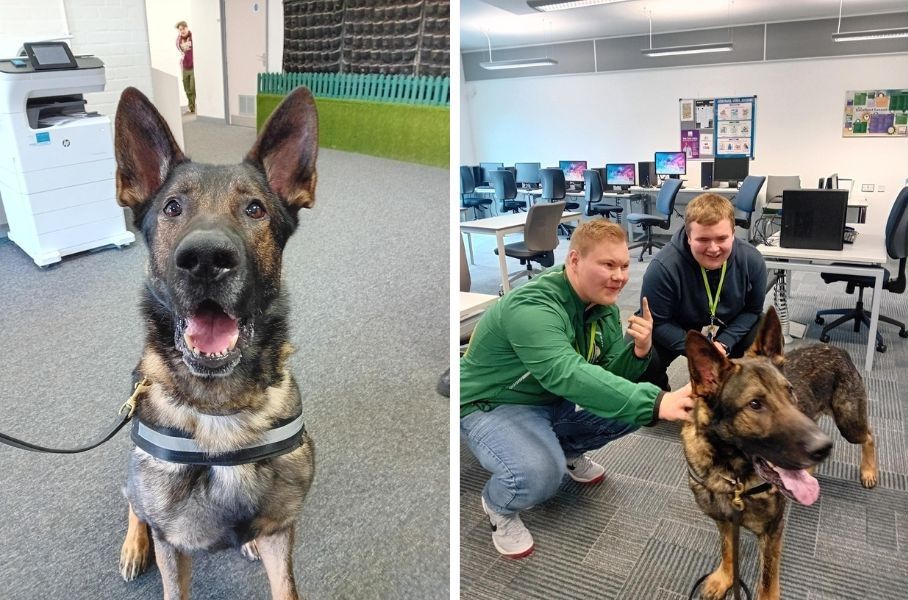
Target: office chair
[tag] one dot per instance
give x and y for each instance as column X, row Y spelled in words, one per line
column 467, row 188
column 665, row 203
column 592, row 192
column 506, row 190
column 554, row 190
column 540, row 238
column 746, row 201
column 896, row 247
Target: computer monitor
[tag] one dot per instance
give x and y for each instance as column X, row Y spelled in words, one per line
column 573, row 169
column 813, row 219
column 484, row 168
column 832, row 182
column 731, row 169
column 623, row 175
column 527, row 173
column 673, row 164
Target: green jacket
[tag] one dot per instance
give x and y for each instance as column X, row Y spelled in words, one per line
column 532, row 347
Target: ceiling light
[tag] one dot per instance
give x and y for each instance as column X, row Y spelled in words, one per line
column 550, row 5
column 517, row 63
column 871, row 34
column 689, row 49
column 868, row 34
column 692, row 49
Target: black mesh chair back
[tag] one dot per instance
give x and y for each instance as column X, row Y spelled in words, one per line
column 592, row 192
column 746, row 199
column 506, row 190
column 467, row 189
column 467, row 183
column 553, row 188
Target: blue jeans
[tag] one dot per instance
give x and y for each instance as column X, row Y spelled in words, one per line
column 526, row 448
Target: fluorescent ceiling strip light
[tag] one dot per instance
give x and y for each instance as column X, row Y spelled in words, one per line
column 519, row 63
column 693, row 49
column 871, row 34
column 551, row 5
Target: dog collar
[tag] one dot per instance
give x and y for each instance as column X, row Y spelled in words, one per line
column 176, row 446
column 738, row 491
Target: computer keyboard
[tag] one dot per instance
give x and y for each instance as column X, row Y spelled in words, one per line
column 849, row 236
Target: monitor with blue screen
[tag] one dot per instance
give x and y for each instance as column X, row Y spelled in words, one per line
column 573, row 169
column 623, row 175
column 672, row 164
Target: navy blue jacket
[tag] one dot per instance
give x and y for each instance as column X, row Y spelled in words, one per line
column 674, row 287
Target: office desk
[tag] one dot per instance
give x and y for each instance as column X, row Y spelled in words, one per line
column 472, row 305
column 867, row 256
column 501, row 226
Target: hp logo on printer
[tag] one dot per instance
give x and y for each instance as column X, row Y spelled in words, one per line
column 66, row 143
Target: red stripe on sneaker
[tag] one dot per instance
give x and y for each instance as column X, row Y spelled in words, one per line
column 523, row 554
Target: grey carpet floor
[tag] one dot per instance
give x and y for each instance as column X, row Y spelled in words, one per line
column 367, row 276
column 640, row 535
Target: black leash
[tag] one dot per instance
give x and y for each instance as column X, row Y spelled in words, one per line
column 737, row 503
column 129, row 407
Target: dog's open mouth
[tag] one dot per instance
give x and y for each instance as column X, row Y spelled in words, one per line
column 210, row 339
column 797, row 484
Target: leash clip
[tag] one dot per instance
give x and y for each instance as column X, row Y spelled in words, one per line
column 738, row 502
column 140, row 388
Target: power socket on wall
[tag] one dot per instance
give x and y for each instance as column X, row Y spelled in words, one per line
column 881, row 188
column 866, row 187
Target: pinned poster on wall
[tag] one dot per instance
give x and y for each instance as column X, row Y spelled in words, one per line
column 697, row 117
column 735, row 118
column 876, row 113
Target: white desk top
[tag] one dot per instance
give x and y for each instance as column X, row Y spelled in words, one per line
column 852, row 203
column 508, row 221
column 472, row 303
column 868, row 248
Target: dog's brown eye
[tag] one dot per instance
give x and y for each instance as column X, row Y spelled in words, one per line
column 173, row 208
column 255, row 210
column 755, row 404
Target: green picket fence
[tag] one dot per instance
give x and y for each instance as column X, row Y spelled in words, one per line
column 398, row 89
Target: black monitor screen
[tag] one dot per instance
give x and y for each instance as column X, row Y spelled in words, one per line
column 731, row 169
column 832, row 182
column 671, row 163
column 527, row 172
column 623, row 174
column 573, row 169
column 485, row 168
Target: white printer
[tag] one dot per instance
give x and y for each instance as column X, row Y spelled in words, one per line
column 57, row 162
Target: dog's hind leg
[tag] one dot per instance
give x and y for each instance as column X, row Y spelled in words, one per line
column 719, row 581
column 276, row 552
column 175, row 568
column 849, row 411
column 135, row 550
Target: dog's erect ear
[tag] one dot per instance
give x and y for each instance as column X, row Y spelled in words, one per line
column 706, row 364
column 145, row 149
column 768, row 341
column 287, row 148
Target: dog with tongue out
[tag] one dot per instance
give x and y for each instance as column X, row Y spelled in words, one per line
column 747, row 431
column 221, row 458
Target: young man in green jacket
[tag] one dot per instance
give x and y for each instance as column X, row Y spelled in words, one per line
column 548, row 376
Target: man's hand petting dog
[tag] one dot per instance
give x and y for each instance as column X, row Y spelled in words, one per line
column 677, row 405
column 641, row 329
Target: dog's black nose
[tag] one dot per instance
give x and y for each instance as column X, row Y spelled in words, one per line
column 819, row 447
column 207, row 255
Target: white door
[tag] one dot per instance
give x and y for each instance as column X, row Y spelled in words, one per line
column 246, row 53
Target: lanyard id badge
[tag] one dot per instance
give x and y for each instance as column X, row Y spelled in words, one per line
column 712, row 329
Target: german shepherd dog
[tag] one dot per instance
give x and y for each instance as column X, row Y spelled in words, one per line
column 754, row 422
column 216, row 344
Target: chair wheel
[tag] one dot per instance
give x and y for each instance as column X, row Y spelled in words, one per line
column 824, row 338
column 881, row 348
column 903, row 333
column 819, row 320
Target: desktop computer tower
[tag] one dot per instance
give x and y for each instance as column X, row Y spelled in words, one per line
column 646, row 174
column 706, row 174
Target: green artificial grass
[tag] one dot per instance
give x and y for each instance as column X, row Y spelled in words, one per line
column 407, row 132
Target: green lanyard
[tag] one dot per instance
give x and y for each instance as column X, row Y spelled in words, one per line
column 713, row 303
column 589, row 354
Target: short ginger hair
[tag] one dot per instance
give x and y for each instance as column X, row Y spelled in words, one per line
column 593, row 232
column 709, row 209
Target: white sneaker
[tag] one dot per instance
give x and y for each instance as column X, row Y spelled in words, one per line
column 510, row 536
column 583, row 470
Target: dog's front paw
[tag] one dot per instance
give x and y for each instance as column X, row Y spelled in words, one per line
column 868, row 478
column 134, row 558
column 250, row 551
column 716, row 586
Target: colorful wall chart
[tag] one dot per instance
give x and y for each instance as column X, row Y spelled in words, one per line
column 713, row 127
column 876, row 113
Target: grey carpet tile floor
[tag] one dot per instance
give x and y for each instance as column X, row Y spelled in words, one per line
column 370, row 324
column 640, row 535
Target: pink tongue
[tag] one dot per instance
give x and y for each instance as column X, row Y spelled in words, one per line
column 802, row 485
column 211, row 331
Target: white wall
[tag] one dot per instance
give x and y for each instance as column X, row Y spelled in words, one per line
column 623, row 117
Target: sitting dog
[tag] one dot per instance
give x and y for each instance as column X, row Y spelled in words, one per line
column 221, row 458
column 752, row 425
